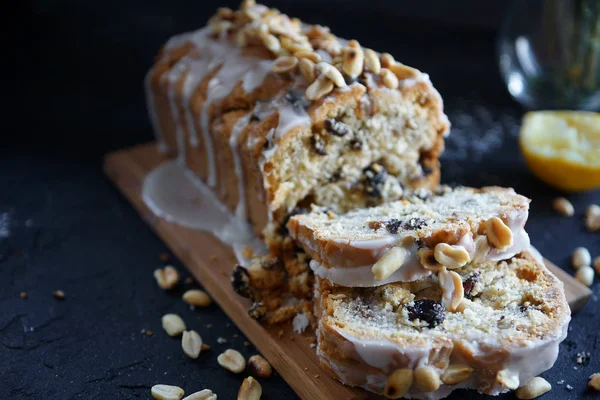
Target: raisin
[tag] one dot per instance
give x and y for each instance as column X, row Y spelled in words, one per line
column 469, row 284
column 426, row 168
column 297, row 99
column 356, row 143
column 336, row 176
column 392, row 226
column 337, row 128
column 283, row 230
column 414, row 223
column 375, row 225
column 257, row 310
column 318, row 145
column 523, row 308
column 240, row 281
column 430, row 311
column 375, row 176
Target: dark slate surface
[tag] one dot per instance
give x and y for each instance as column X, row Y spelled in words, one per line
column 63, row 226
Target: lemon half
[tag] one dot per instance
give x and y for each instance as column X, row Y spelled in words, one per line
column 562, row 148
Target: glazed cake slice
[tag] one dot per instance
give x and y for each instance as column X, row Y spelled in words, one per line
column 272, row 113
column 411, row 238
column 398, row 339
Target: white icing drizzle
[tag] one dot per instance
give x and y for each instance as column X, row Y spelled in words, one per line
column 173, row 192
column 198, row 69
column 172, row 77
column 238, row 128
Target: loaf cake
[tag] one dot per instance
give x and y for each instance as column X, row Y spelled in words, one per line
column 399, row 340
column 274, row 114
column 408, row 239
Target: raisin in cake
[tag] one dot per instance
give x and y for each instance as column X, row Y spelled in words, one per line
column 273, row 114
column 408, row 239
column 399, row 339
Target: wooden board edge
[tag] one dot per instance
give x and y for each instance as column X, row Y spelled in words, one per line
column 274, row 350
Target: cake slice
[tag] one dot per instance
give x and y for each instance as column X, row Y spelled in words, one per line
column 409, row 239
column 273, row 114
column 398, row 339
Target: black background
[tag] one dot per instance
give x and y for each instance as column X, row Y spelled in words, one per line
column 77, row 92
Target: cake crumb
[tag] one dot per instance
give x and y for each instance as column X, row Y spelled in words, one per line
column 246, row 343
column 280, row 333
column 149, row 333
column 209, row 325
column 300, row 322
column 189, row 280
column 221, row 340
column 316, row 376
column 312, row 345
column 163, row 257
column 24, row 295
column 58, row 294
column 561, row 382
column 569, row 387
column 583, row 358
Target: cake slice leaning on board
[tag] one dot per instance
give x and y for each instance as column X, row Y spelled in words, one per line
column 274, row 114
column 414, row 237
column 400, row 341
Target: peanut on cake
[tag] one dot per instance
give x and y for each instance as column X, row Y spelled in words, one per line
column 273, row 113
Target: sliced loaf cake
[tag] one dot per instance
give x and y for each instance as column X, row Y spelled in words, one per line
column 399, row 339
column 409, row 239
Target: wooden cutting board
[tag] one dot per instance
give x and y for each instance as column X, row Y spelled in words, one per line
column 211, row 262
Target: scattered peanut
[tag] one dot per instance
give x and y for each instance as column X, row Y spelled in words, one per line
column 581, row 257
column 498, row 234
column 191, row 343
column 482, row 248
column 452, row 289
column 387, row 60
column 585, row 275
column 310, row 55
column 594, row 382
column 456, row 373
column 389, row 79
column 403, row 71
column 427, row 258
column 332, row 73
column 250, row 389
column 232, row 361
column 167, row 277
column 451, row 256
column 353, row 61
column 534, row 388
column 592, row 218
column 284, row 64
column 307, row 69
column 398, row 383
column 166, row 392
column 427, row 379
column 389, row 263
column 507, row 379
column 259, row 367
column 196, row 297
column 372, row 63
column 319, row 88
column 173, row 324
column 271, row 43
column 205, row 394
column 563, row 206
